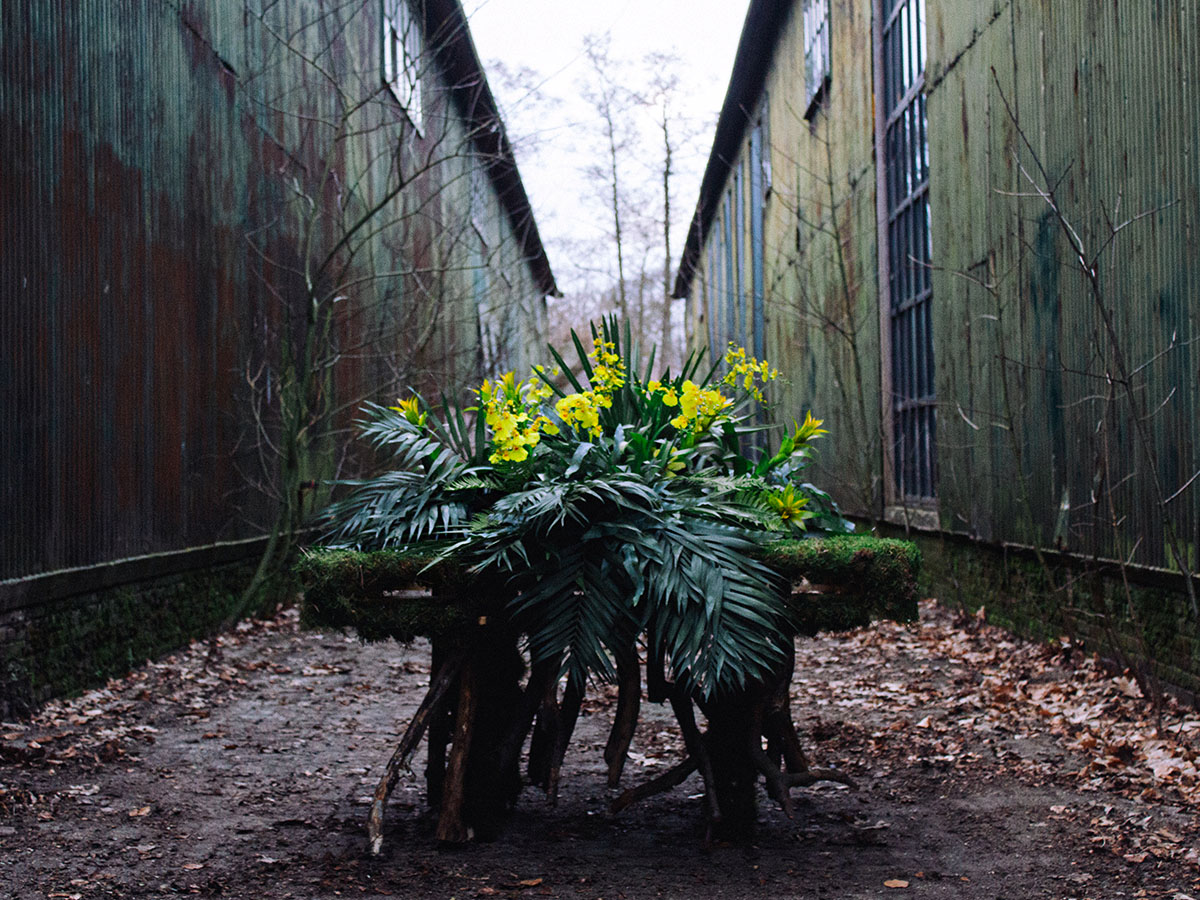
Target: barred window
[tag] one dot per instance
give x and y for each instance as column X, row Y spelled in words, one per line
column 905, row 159
column 817, row 61
column 479, row 190
column 402, row 57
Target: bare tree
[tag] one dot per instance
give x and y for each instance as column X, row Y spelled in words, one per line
column 612, row 103
column 382, row 248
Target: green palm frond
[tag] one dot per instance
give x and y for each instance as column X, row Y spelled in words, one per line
column 427, row 496
column 620, row 523
column 719, row 614
column 393, row 510
column 589, row 558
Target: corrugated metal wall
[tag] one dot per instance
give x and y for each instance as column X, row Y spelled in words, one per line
column 150, row 236
column 1106, row 96
column 821, row 316
column 121, row 202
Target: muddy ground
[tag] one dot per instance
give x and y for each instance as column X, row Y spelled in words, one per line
column 986, row 768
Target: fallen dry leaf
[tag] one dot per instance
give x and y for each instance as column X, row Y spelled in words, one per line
column 140, row 811
column 895, row 883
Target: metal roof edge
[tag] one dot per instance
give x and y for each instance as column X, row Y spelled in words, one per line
column 765, row 21
column 446, row 22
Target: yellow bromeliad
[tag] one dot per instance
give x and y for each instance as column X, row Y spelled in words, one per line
column 411, row 410
column 809, row 430
column 788, row 506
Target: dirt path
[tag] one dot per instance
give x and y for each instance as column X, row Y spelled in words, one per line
column 987, row 768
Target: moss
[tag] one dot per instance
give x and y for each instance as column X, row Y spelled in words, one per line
column 1086, row 603
column 373, row 592
column 77, row 642
column 862, row 577
column 856, row 578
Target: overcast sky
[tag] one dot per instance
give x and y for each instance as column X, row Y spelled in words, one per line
column 546, row 36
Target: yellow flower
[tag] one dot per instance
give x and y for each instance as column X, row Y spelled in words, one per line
column 411, row 410
column 608, row 373
column 810, row 429
column 788, row 506
column 748, row 371
column 580, row 411
column 510, row 410
column 698, row 408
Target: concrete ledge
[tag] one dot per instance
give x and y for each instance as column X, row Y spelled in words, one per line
column 32, row 590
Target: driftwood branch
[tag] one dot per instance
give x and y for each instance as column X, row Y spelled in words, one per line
column 629, row 699
column 676, row 775
column 681, row 704
column 431, row 704
column 452, row 827
column 568, row 715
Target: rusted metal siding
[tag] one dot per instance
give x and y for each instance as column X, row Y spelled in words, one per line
column 1105, row 94
column 152, row 256
column 118, row 194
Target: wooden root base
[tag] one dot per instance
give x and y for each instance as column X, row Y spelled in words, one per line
column 730, row 757
column 477, row 716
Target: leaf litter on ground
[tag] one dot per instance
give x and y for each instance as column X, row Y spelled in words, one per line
column 974, row 692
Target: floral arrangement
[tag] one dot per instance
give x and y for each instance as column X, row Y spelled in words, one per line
column 609, row 503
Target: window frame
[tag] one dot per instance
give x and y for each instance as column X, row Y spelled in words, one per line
column 905, row 257
column 402, row 49
column 818, row 54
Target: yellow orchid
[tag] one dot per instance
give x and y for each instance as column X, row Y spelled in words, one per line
column 509, row 407
column 699, row 407
column 581, row 411
column 751, row 373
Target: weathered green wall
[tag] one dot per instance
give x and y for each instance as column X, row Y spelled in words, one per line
column 821, row 293
column 1030, row 445
column 1036, row 440
column 155, row 208
column 162, row 165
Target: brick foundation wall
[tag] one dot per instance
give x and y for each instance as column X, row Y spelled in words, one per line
column 1153, row 628
column 59, row 641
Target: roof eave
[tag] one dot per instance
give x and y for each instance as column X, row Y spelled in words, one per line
column 447, row 25
column 765, row 21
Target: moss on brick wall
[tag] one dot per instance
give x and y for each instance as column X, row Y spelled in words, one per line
column 1153, row 628
column 69, row 644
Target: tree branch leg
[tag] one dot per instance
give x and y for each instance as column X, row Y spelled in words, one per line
column 540, row 675
column 629, row 700
column 681, row 704
column 452, row 827
column 430, row 706
column 778, row 727
column 568, row 716
column 441, row 724
column 545, row 734
column 676, row 775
